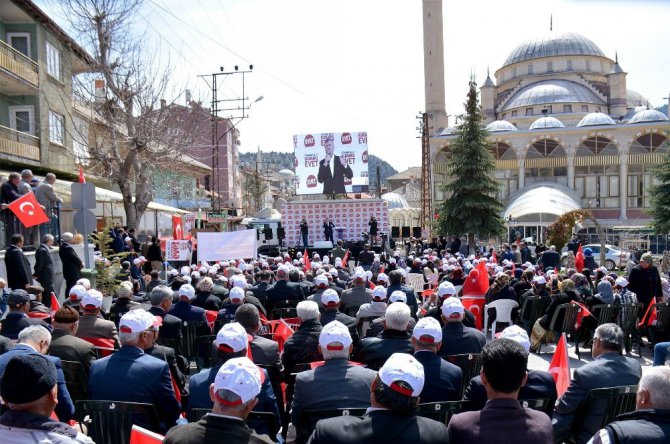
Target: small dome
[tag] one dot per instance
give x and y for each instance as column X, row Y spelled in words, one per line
column 547, row 122
column 395, row 201
column 448, row 131
column 499, row 126
column 286, row 172
column 634, row 98
column 593, row 119
column 648, row 115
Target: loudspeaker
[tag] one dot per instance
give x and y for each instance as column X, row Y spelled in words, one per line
column 268, row 233
column 405, row 231
column 395, row 232
column 281, row 233
column 416, row 231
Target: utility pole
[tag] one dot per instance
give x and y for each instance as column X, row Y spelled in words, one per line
column 426, row 192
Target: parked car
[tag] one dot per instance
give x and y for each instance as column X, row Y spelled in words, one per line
column 614, row 257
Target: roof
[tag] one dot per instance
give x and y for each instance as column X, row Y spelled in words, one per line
column 594, row 119
column 554, row 45
column 409, row 173
column 542, row 199
column 395, row 201
column 547, row 122
column 499, row 126
column 550, row 92
column 648, row 115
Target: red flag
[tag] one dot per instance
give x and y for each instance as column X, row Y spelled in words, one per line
column 138, row 435
column 494, row 256
column 381, row 270
column 308, row 264
column 28, row 210
column 211, row 318
column 55, row 305
column 559, row 367
column 82, row 179
column 649, row 317
column 477, row 283
column 345, row 259
column 175, row 388
column 579, row 260
column 581, row 314
column 282, row 333
column 177, row 230
column 475, row 304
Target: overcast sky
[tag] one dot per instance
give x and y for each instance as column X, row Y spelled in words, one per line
column 357, row 65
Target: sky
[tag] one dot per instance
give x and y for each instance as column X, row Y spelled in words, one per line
column 357, row 65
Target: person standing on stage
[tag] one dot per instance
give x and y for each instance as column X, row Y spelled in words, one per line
column 373, row 230
column 328, row 227
column 304, row 231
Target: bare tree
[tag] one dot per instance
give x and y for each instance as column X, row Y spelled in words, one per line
column 142, row 132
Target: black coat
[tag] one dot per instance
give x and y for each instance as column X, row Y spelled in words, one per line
column 303, row 346
column 44, row 267
column 18, row 268
column 373, row 352
column 645, row 283
column 539, row 385
column 284, row 293
column 334, row 182
column 458, row 339
column 442, row 378
column 72, row 265
column 213, row 429
column 171, row 328
column 648, row 426
column 67, row 347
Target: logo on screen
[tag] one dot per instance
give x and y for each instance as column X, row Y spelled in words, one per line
column 364, row 156
column 309, row 140
column 311, row 181
column 311, row 160
column 347, row 181
column 362, row 138
column 345, row 139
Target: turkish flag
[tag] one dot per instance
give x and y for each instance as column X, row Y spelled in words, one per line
column 560, row 366
column 138, row 435
column 28, row 210
column 55, row 306
column 345, row 259
column 281, row 333
column 308, row 264
column 82, row 179
column 475, row 305
column 177, row 228
column 579, row 260
column 649, row 317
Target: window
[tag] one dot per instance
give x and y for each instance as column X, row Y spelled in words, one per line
column 550, row 66
column 514, row 72
column 585, row 108
column 550, row 109
column 53, row 61
column 80, row 141
column 588, row 65
column 529, row 111
column 20, row 41
column 21, row 119
column 514, row 113
column 569, row 65
column 56, row 128
column 530, row 68
column 567, row 108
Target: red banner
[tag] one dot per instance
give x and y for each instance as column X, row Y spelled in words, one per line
column 28, row 210
column 177, row 228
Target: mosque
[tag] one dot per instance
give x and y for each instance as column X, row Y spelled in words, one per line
column 566, row 133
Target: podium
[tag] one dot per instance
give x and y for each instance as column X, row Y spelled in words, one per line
column 340, row 232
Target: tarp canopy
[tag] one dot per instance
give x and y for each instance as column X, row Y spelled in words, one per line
column 542, row 199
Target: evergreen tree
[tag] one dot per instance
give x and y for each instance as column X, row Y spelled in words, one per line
column 660, row 197
column 472, row 206
column 105, row 279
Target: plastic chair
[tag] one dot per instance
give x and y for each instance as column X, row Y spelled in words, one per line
column 442, row 411
column 417, row 282
column 76, row 380
column 541, row 404
column 605, row 404
column 191, row 330
column 532, row 309
column 627, row 320
column 662, row 324
column 504, row 309
column 309, row 418
column 364, row 324
column 569, row 312
column 112, row 421
column 470, row 365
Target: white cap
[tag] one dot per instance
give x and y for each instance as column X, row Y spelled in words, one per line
column 187, row 279
column 202, row 270
column 398, row 296
column 77, row 292
column 382, row 277
column 136, row 261
column 321, row 280
column 92, row 297
column 452, row 306
column 428, row 330
column 359, row 275
column 138, row 320
column 240, row 376
column 188, row 291
column 368, row 274
column 243, row 266
column 333, row 272
column 283, row 269
column 195, row 274
column 392, row 261
column 232, row 338
column 332, row 333
column 403, row 367
column 540, row 280
column 85, row 282
column 446, row 289
column 238, row 281
column 621, row 281
column 236, row 294
column 604, row 270
column 185, row 270
column 330, row 297
column 174, row 272
column 516, row 334
column 379, row 293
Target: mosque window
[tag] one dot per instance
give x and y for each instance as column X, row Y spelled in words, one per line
column 585, row 108
column 598, row 109
column 514, row 72
column 588, row 65
column 529, row 111
column 550, row 66
column 567, row 108
column 569, row 65
column 503, row 116
column 530, row 68
column 514, row 113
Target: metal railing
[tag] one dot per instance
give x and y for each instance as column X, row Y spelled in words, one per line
column 18, row 64
column 19, row 144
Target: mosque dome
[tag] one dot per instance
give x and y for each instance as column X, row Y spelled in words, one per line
column 594, row 119
column 499, row 126
column 552, row 91
column 648, row 115
column 634, row 98
column 569, row 44
column 547, row 122
column 395, row 201
column 448, row 131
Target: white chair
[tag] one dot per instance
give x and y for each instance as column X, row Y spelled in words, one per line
column 504, row 309
column 416, row 281
column 432, row 279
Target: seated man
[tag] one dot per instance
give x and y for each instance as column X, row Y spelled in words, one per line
column 502, row 420
column 17, row 318
column 91, row 326
column 335, row 384
column 650, row 422
column 35, row 340
column 64, row 344
column 183, row 308
column 538, row 385
column 130, row 375
column 161, row 303
column 303, row 346
column 29, row 387
column 358, row 294
column 331, row 304
column 236, row 299
column 233, row 393
column 442, row 379
column 376, row 307
column 373, row 352
column 457, row 339
column 608, row 369
column 377, row 325
column 124, row 300
column 392, row 418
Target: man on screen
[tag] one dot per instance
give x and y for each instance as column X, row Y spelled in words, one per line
column 333, row 169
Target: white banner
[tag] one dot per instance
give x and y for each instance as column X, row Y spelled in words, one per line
column 229, row 245
column 189, row 223
column 177, row 250
column 331, row 163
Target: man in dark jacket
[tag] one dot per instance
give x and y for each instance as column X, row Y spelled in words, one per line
column 458, row 339
column 161, row 303
column 18, row 268
column 44, row 268
column 17, row 319
column 260, row 290
column 645, row 282
column 373, row 352
column 72, row 265
column 331, row 304
column 395, row 283
column 303, row 346
column 550, row 259
column 64, row 343
column 284, row 293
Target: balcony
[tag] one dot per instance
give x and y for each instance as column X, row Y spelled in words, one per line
column 19, row 144
column 18, row 73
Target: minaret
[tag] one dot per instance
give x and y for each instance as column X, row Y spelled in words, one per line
column 433, row 64
column 616, row 80
column 488, row 91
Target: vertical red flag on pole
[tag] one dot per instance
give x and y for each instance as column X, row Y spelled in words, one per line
column 177, row 230
column 560, row 366
column 579, row 260
column 345, row 259
column 308, row 264
column 82, row 179
column 55, row 305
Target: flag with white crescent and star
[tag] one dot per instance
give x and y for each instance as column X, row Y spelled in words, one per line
column 28, row 210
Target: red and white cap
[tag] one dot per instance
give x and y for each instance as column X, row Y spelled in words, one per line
column 236, row 295
column 379, row 294
column 188, row 291
column 398, row 296
column 335, row 336
column 92, row 297
column 382, row 277
column 428, row 331
column 516, row 334
column 403, row 367
column 138, row 320
column 446, row 289
column 77, row 292
column 238, row 281
column 330, row 297
column 539, row 280
column 232, row 338
column 321, row 280
column 240, row 376
column 452, row 307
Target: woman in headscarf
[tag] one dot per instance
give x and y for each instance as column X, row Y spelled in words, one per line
column 582, row 286
column 541, row 327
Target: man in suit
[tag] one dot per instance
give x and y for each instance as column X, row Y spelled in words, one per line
column 550, row 259
column 333, row 169
column 9, row 192
column 457, row 339
column 17, row 319
column 328, row 227
column 44, row 267
column 72, row 265
column 538, row 385
column 130, row 375
column 234, row 395
column 260, row 290
column 392, row 417
column 161, row 303
column 357, row 295
column 35, row 339
column 47, row 197
column 284, row 293
column 395, row 283
column 65, row 345
column 442, row 379
column 608, row 369
column 18, row 268
column 374, row 351
column 91, row 326
column 502, row 420
column 337, row 383
column 183, row 308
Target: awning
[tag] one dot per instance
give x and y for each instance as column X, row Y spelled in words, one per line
column 545, row 198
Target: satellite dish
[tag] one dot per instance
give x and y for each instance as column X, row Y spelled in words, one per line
column 279, row 203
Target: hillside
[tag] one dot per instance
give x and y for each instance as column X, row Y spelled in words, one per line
column 278, row 161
